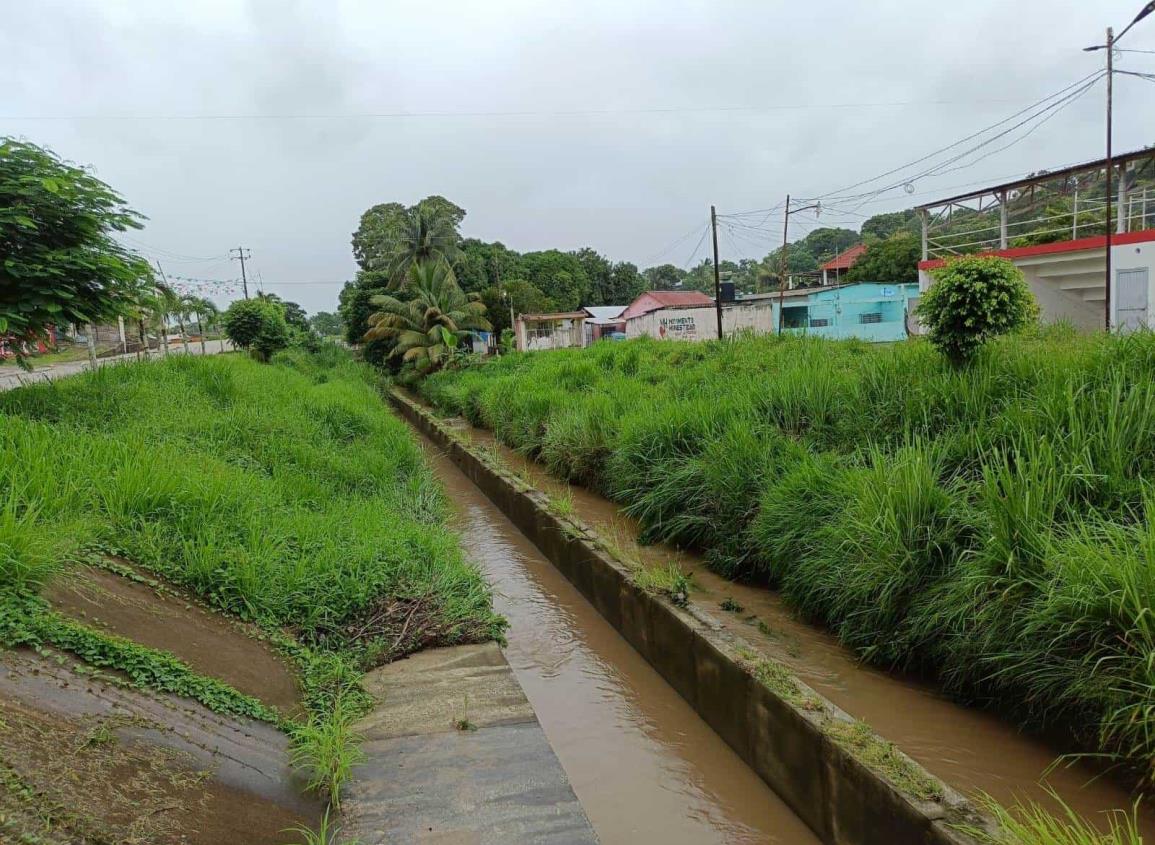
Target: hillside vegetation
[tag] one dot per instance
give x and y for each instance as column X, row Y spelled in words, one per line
column 990, row 526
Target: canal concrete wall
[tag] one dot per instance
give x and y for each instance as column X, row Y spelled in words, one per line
column 849, row 785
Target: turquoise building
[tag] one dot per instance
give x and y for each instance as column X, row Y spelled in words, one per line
column 866, row 310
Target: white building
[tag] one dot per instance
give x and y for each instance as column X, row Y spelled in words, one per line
column 1067, row 271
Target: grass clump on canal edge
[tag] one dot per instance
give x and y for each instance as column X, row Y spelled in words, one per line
column 1031, row 824
column 284, row 494
column 989, row 525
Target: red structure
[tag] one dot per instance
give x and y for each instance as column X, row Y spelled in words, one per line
column 836, row 268
column 653, row 300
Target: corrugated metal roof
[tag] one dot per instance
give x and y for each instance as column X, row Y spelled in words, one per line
column 604, row 313
column 652, row 300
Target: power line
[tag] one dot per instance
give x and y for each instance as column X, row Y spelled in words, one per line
column 693, row 255
column 839, row 192
column 552, row 113
column 937, row 169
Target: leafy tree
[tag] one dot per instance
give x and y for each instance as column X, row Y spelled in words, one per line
column 559, row 275
column 295, row 315
column 664, row 277
column 326, row 324
column 883, row 226
column 60, row 263
column 428, row 328
column 391, row 237
column 526, row 299
column 625, row 285
column 257, row 325
column 356, row 306
column 972, row 300
column 826, row 243
column 894, row 260
column 377, row 234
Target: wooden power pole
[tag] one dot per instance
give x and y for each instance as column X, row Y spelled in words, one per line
column 717, row 276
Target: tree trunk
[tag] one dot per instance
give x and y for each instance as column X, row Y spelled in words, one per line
column 183, row 335
column 164, row 334
column 144, row 350
column 91, row 332
column 201, row 329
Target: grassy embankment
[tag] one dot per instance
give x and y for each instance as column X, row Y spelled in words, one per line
column 284, row 494
column 990, row 527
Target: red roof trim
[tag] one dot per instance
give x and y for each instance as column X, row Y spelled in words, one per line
column 846, row 259
column 652, row 300
column 1080, row 245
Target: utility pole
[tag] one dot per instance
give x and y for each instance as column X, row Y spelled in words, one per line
column 717, row 277
column 1112, row 40
column 1110, row 168
column 242, row 254
column 783, row 263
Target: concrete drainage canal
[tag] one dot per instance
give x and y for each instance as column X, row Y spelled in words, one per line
column 645, row 767
column 670, row 726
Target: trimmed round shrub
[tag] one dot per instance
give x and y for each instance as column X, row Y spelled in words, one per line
column 256, row 325
column 972, row 300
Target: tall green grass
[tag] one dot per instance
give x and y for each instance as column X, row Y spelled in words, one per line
column 989, row 525
column 285, row 494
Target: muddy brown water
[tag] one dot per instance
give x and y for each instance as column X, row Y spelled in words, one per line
column 972, row 750
column 645, row 767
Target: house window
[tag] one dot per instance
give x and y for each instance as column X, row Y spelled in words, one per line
column 541, row 331
column 819, row 322
column 870, row 317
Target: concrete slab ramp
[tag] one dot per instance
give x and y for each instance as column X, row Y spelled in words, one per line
column 456, row 756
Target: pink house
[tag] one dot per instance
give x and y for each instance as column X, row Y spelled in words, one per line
column 654, row 300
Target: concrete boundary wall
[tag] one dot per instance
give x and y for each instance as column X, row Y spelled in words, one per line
column 808, row 751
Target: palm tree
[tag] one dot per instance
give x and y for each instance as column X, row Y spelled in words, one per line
column 205, row 312
column 428, row 327
column 426, row 239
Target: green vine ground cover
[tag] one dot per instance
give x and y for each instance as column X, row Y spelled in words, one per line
column 285, row 494
column 989, row 526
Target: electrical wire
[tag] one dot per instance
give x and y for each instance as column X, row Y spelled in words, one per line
column 939, row 168
column 515, row 113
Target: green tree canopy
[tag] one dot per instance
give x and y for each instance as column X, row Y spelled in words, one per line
column 664, row 277
column 391, row 237
column 257, row 325
column 894, row 260
column 882, row 226
column 326, row 324
column 60, row 263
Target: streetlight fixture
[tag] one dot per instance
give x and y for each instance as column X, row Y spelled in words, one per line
column 1112, row 40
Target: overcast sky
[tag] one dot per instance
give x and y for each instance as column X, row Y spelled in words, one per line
column 558, row 123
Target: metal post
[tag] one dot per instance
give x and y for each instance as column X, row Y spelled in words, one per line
column 1075, row 212
column 1002, row 219
column 1110, row 167
column 717, row 277
column 783, row 266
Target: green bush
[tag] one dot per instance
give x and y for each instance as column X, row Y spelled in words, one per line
column 257, row 325
column 972, row 300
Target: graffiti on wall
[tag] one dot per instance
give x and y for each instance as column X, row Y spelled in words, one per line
column 678, row 328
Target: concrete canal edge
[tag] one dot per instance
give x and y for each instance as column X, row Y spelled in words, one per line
column 454, row 753
column 848, row 784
